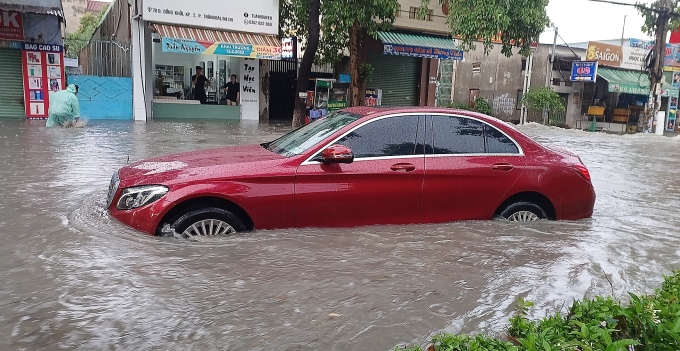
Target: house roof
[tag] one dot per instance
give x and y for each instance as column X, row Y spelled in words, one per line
column 96, row 6
column 50, row 7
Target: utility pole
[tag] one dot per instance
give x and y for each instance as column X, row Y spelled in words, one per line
column 659, row 56
column 623, row 31
column 549, row 75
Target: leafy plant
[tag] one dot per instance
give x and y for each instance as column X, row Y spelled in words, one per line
column 482, row 106
column 78, row 40
column 518, row 23
column 458, row 106
column 539, row 99
column 650, row 323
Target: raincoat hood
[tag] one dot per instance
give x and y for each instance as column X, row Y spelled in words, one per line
column 71, row 88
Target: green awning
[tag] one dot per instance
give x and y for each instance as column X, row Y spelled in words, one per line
column 401, row 44
column 632, row 82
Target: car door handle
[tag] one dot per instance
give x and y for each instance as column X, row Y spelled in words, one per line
column 408, row 167
column 503, row 167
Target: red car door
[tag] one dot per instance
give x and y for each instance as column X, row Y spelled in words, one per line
column 469, row 167
column 382, row 186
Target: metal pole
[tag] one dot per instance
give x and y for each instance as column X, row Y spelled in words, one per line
column 550, row 74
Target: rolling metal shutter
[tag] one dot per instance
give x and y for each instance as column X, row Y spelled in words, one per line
column 397, row 76
column 12, row 96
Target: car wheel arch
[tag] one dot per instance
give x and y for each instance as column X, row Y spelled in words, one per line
column 195, row 203
column 531, row 197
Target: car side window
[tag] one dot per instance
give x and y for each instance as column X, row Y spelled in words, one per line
column 457, row 135
column 392, row 136
column 498, row 143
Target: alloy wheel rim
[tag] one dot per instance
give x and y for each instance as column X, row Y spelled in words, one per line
column 523, row 216
column 209, row 227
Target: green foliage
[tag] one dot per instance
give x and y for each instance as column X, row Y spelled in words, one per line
column 78, row 40
column 458, row 106
column 538, row 99
column 649, row 27
column 337, row 18
column 516, row 23
column 481, row 106
column 650, row 323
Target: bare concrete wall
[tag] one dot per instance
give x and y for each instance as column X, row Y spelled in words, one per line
column 498, row 80
column 73, row 12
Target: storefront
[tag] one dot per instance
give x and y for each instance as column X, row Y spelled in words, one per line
column 405, row 67
column 622, row 88
column 29, row 30
column 223, row 39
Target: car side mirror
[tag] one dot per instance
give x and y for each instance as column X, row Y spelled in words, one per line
column 337, row 154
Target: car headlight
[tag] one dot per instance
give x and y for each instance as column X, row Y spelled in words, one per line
column 139, row 196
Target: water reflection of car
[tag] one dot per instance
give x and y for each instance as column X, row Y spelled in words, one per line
column 356, row 167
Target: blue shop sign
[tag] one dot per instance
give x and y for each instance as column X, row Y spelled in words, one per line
column 421, row 51
column 584, row 71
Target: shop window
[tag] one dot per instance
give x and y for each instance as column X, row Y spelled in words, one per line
column 556, row 82
column 568, row 83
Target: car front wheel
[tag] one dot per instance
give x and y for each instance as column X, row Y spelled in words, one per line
column 207, row 222
column 523, row 212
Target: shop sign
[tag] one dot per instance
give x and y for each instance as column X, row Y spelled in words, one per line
column 617, row 56
column 289, row 48
column 250, row 89
column 11, row 25
column 421, row 51
column 188, row 46
column 373, row 97
column 672, row 54
column 584, row 71
column 336, row 105
column 252, row 16
column 43, row 71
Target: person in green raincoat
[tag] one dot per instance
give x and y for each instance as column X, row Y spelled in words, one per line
column 64, row 108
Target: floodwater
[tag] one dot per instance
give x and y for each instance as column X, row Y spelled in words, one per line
column 71, row 278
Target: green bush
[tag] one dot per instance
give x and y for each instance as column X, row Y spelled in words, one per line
column 481, row 106
column 651, row 323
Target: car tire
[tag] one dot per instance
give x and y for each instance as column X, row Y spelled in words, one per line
column 206, row 222
column 523, row 212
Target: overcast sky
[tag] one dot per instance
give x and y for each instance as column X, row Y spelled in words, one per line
column 584, row 20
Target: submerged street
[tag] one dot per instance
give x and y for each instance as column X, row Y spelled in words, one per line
column 73, row 278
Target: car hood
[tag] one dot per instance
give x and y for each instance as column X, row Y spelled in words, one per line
column 232, row 160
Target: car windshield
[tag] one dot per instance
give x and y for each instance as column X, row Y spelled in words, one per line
column 302, row 139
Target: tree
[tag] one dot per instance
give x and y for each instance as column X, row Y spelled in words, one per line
column 301, row 18
column 345, row 25
column 78, row 40
column 516, row 24
column 658, row 17
column 544, row 99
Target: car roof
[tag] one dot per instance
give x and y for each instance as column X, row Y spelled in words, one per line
column 383, row 111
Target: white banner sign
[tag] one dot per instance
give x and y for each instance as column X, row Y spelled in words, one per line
column 250, row 89
column 253, row 16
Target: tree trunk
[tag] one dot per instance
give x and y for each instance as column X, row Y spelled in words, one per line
column 307, row 61
column 358, row 84
column 656, row 72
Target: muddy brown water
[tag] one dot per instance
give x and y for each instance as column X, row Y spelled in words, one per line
column 71, row 278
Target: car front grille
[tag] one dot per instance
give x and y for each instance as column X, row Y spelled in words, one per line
column 113, row 187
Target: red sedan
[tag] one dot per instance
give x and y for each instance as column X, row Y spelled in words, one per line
column 359, row 166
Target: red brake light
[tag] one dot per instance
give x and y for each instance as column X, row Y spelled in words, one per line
column 583, row 171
